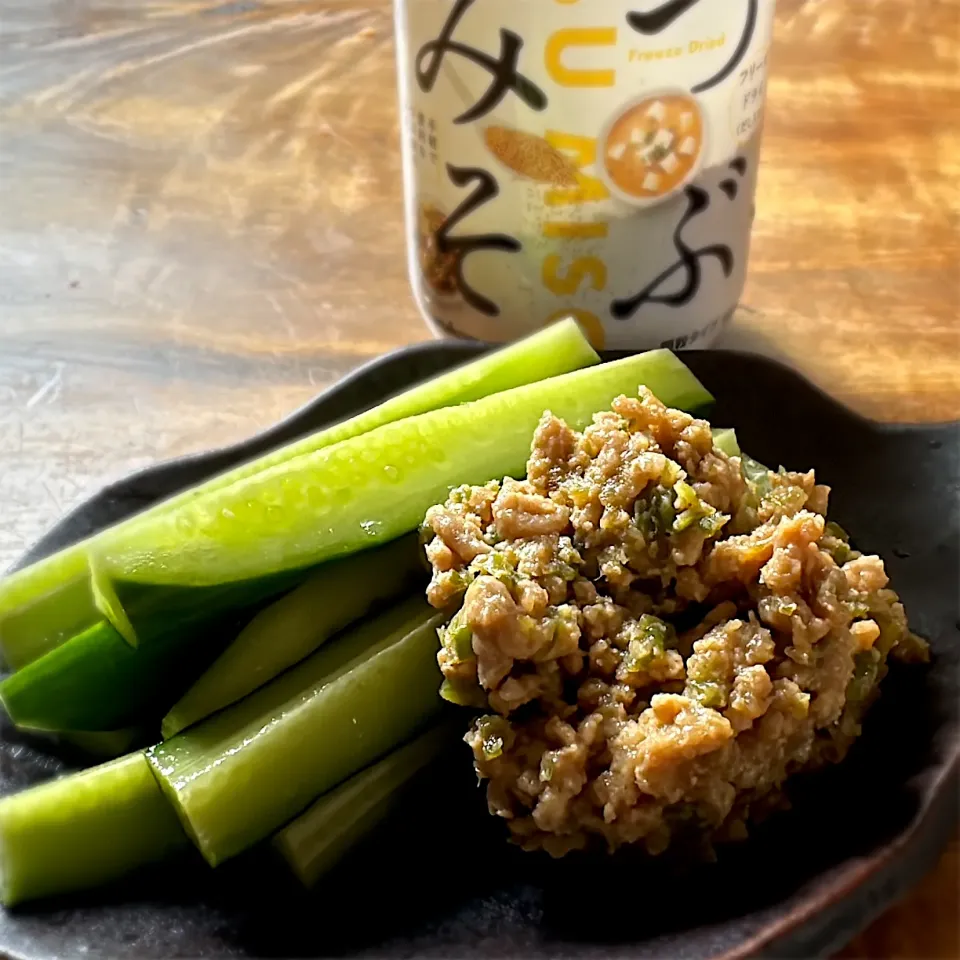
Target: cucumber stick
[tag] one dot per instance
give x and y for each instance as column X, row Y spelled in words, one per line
column 98, row 681
column 319, row 837
column 56, row 590
column 373, row 488
column 84, row 829
column 93, row 682
column 30, row 630
column 241, row 774
column 293, row 627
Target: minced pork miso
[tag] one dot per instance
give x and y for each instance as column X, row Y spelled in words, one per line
column 656, row 635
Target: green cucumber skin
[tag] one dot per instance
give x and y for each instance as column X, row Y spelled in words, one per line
column 94, row 746
column 83, row 830
column 316, row 841
column 725, row 440
column 376, row 487
column 31, row 630
column 555, row 350
column 97, row 681
column 105, row 744
column 293, row 627
column 241, row 774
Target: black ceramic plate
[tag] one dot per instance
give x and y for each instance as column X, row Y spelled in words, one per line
column 808, row 880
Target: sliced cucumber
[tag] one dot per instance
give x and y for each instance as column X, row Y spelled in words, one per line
column 725, row 440
column 292, row 628
column 319, row 837
column 56, row 589
column 372, row 488
column 93, row 683
column 105, row 744
column 51, row 618
column 98, row 681
column 83, row 830
column 241, row 774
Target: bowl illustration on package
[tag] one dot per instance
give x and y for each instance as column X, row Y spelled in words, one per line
column 651, row 147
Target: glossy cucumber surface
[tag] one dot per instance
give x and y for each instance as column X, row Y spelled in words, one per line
column 98, row 681
column 290, row 629
column 241, row 774
column 83, row 830
column 49, row 602
column 373, row 488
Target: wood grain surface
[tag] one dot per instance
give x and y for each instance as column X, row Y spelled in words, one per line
column 200, row 226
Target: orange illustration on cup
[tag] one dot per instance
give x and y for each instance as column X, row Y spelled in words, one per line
column 653, row 147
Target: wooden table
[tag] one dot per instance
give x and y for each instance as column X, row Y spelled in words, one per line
column 200, row 226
